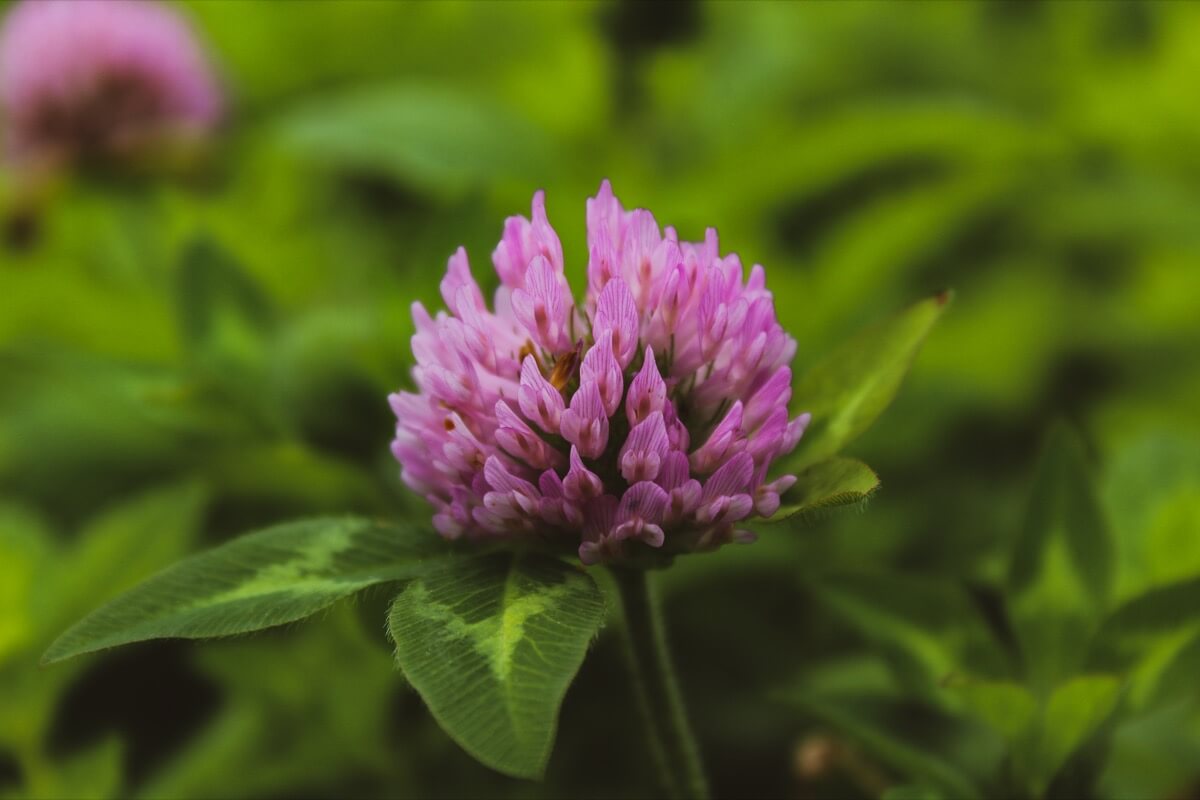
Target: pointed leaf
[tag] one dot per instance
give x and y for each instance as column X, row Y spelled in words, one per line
column 826, row 486
column 491, row 644
column 277, row 575
column 1061, row 571
column 1164, row 609
column 850, row 387
column 1074, row 711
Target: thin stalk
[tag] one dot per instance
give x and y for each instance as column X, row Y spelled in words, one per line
column 656, row 689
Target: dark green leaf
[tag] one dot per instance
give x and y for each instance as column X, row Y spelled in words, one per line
column 491, row 644
column 848, row 389
column 277, row 575
column 1162, row 610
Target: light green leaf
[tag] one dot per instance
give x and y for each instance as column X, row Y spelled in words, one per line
column 1060, row 575
column 491, row 644
column 277, row 575
column 1006, row 707
column 823, row 487
column 1152, row 491
column 27, row 551
column 847, row 390
column 1074, row 711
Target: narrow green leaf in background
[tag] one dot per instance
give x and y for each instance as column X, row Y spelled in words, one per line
column 851, row 386
column 916, row 620
column 491, row 644
column 277, row 575
column 825, row 486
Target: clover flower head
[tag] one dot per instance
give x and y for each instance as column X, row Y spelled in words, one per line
column 647, row 417
column 102, row 78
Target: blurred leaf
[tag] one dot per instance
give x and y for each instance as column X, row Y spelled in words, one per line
column 824, row 487
column 492, row 644
column 1041, row 736
column 128, row 542
column 917, row 618
column 851, row 386
column 1007, row 708
column 1153, row 755
column 123, row 544
column 277, row 575
column 302, row 706
column 1152, row 489
column 77, row 430
column 26, row 552
column 1162, row 610
column 219, row 304
column 1074, row 711
column 94, row 774
column 434, row 137
column 1156, row 637
column 911, row 762
column 1061, row 570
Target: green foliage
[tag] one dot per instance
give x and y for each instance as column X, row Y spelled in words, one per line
column 1060, row 576
column 491, row 645
column 271, row 577
column 431, row 138
column 856, row 381
column 186, row 358
column 909, row 761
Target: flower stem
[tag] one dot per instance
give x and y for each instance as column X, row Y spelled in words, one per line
column 657, row 692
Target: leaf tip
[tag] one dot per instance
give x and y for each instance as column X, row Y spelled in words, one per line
column 943, row 297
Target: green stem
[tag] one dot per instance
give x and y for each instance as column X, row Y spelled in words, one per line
column 656, row 690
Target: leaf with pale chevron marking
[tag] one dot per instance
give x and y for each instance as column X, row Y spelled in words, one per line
column 268, row 578
column 491, row 644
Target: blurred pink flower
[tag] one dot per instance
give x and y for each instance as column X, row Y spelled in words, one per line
column 100, row 78
column 651, row 414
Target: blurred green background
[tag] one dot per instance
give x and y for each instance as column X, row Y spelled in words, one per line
column 186, row 358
